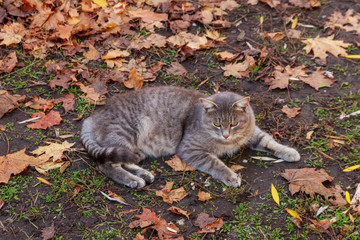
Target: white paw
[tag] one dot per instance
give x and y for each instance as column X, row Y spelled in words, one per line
column 138, row 183
column 290, row 155
column 233, row 180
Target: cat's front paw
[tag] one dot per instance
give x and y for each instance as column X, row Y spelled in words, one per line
column 289, row 155
column 136, row 183
column 232, row 180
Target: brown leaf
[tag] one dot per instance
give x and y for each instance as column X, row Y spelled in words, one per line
column 311, row 181
column 45, row 121
column 139, row 237
column 236, row 168
column 95, row 92
column 75, row 192
column 179, row 166
column 63, row 78
column 156, row 40
column 208, row 224
column 169, row 195
column 167, row 230
column 179, row 211
column 178, row 26
column 92, row 54
column 291, row 112
column 2, row 128
column 8, row 64
column 321, row 226
column 12, row 34
column 203, row 196
column 53, row 152
column 157, row 67
column 176, row 69
column 282, row 75
column 320, row 47
column 135, row 80
column 338, row 20
column 275, row 37
column 148, row 16
column 317, row 80
column 68, row 102
column 41, row 104
column 117, row 53
column 271, row 3
column 227, row 56
column 229, row 5
column 2, row 203
column 306, row 3
column 146, row 219
column 240, row 70
column 296, row 221
column 48, row 232
column 15, row 163
column 9, row 102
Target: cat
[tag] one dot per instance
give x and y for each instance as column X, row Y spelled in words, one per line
column 162, row 121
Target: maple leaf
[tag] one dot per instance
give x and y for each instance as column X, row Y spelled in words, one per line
column 227, row 56
column 9, row 102
column 321, row 226
column 41, row 104
column 336, row 19
column 320, row 47
column 92, row 54
column 52, row 152
column 179, row 166
column 68, row 102
column 180, row 211
column 12, row 34
column 208, row 224
column 146, row 219
column 176, row 69
column 240, row 70
column 156, row 40
column 290, row 112
column 317, row 80
column 203, row 196
column 63, row 78
column 95, row 92
column 9, row 62
column 45, row 121
column 135, row 80
column 15, row 163
column 169, row 195
column 311, row 181
column 282, row 75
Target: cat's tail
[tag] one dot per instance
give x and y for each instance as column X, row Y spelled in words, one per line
column 102, row 154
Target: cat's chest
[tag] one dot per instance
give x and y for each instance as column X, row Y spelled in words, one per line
column 221, row 148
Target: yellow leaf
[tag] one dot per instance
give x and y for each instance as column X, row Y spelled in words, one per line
column 261, row 20
column 44, row 181
column 101, row 3
column 351, row 218
column 347, row 197
column 293, row 213
column 352, row 56
column 275, row 194
column 352, row 168
column 294, row 23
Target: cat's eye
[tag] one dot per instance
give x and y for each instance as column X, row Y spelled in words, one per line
column 233, row 124
column 217, row 124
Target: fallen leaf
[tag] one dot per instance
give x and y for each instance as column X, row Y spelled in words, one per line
column 309, row 134
column 271, row 3
column 349, row 21
column 15, row 163
column 291, row 112
column 352, row 168
column 9, row 102
column 75, row 192
column 281, row 76
column 296, row 221
column 275, row 194
column 95, row 92
column 229, row 5
column 293, row 213
column 45, row 121
column 68, row 101
column 2, row 203
column 214, row 35
column 317, row 80
column 44, row 181
column 347, row 197
column 53, row 152
column 320, row 47
column 63, row 78
column 356, row 197
column 12, row 34
column 179, row 166
column 320, row 226
column 139, row 237
column 208, row 224
column 176, row 69
column 306, row 3
column 146, row 219
column 180, row 211
column 275, row 37
column 169, row 195
column 2, row 128
column 92, row 54
column 114, row 197
column 203, row 196
column 240, row 70
column 237, row 168
column 148, row 16
column 9, row 62
column 40, row 104
column 48, row 232
column 311, row 181
column 135, row 80
column 117, row 53
column 227, row 56
column 101, row 3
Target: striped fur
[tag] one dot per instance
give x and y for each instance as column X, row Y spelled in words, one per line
column 169, row 120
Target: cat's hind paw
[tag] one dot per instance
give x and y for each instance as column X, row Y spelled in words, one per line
column 233, row 180
column 290, row 155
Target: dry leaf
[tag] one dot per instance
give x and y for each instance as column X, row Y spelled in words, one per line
column 41, row 104
column 176, row 69
column 45, row 121
column 214, row 35
column 227, row 56
column 275, row 37
column 92, row 54
column 305, row 3
column 208, row 224
column 146, row 219
column 12, row 34
column 179, row 211
column 320, row 47
column 68, row 101
column 2, row 203
column 296, row 221
column 179, row 166
column 15, row 163
column 117, row 53
column 9, row 102
column 236, row 168
column 95, row 92
column 311, row 181
column 282, row 75
column 9, row 62
column 320, row 226
column 229, row 5
column 240, row 70
column 203, row 196
column 169, row 195
column 347, row 197
column 291, row 112
column 63, row 77
column 75, row 192
column 317, row 80
column 275, row 194
column 148, row 16
column 271, row 3
column 135, row 80
column 48, row 232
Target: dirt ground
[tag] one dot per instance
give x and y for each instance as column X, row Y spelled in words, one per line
column 248, row 212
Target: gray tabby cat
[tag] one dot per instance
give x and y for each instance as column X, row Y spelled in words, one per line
column 169, row 120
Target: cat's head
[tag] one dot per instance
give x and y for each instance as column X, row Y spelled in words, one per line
column 227, row 115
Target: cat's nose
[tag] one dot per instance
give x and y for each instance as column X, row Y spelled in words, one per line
column 225, row 136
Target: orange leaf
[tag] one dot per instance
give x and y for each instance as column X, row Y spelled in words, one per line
column 169, row 195
column 179, row 211
column 208, row 224
column 203, row 196
column 135, row 80
column 9, row 102
column 290, row 112
column 178, row 166
column 45, row 121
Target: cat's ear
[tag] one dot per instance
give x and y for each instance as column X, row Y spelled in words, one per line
column 208, row 105
column 241, row 104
